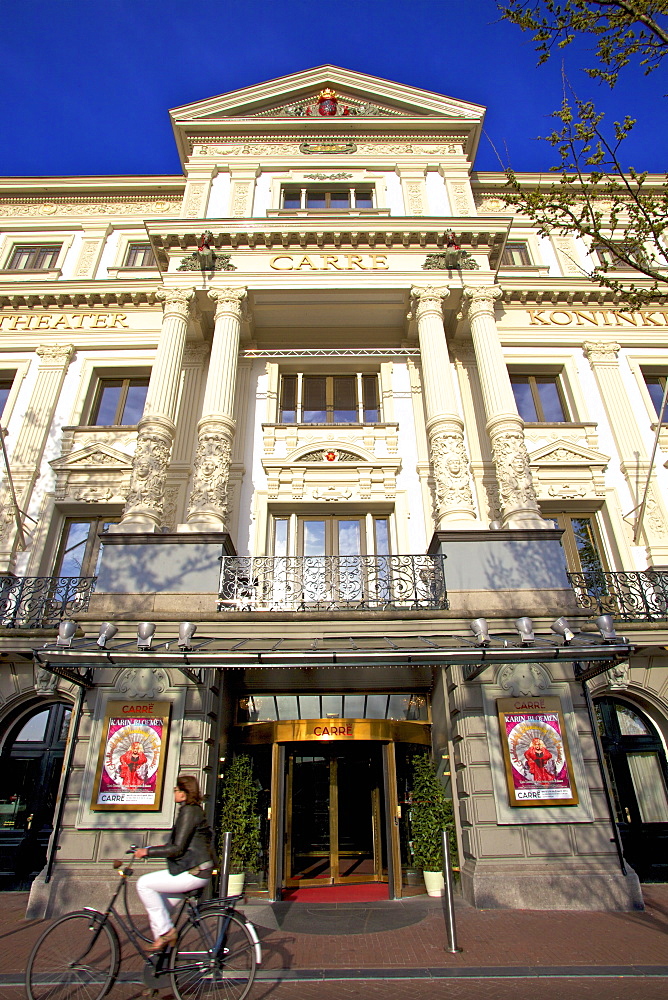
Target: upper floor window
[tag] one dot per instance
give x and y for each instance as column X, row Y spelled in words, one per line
column 79, row 550
column 34, row 257
column 118, row 401
column 515, row 255
column 5, row 389
column 540, row 398
column 329, row 399
column 607, row 255
column 340, row 199
column 656, row 386
column 139, row 255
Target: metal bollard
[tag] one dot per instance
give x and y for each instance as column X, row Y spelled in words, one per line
column 225, row 865
column 449, row 897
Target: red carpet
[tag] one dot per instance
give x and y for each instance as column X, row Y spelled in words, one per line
column 366, row 892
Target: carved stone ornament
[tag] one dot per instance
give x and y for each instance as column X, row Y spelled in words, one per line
column 176, row 301
column 513, row 472
column 458, row 260
column 45, row 682
column 600, row 351
column 523, row 679
column 211, row 475
column 142, row 682
column 428, row 299
column 330, row 455
column 618, row 676
column 57, row 354
column 482, row 299
column 194, row 262
column 451, row 472
column 340, row 176
column 149, row 468
column 228, row 300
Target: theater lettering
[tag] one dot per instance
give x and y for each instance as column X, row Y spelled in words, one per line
column 330, row 262
column 598, row 317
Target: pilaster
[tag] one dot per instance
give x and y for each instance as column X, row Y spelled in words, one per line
column 445, row 427
column 634, row 460
column 27, row 454
column 209, row 499
column 92, row 246
column 414, row 190
column 505, row 427
column 196, row 194
column 156, row 430
column 242, row 191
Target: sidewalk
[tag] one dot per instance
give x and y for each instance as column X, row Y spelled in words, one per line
column 398, row 949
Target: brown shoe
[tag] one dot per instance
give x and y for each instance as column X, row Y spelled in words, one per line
column 167, row 940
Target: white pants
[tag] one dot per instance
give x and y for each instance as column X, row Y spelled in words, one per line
column 160, row 892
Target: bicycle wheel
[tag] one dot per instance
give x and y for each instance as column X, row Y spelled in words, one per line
column 76, row 958
column 204, row 967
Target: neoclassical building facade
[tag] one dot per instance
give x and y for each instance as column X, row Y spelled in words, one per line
column 305, row 452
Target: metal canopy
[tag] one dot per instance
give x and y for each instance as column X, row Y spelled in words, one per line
column 343, row 651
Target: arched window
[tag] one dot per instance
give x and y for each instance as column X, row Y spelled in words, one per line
column 638, row 773
column 30, row 768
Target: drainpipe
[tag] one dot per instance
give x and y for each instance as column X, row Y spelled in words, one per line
column 64, row 782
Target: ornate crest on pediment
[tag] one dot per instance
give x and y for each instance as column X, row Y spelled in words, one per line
column 568, row 453
column 94, row 456
column 329, row 104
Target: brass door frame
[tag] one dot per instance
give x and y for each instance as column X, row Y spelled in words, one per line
column 335, row 877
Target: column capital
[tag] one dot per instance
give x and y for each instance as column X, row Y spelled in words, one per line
column 177, row 301
column 57, row 355
column 228, row 301
column 482, row 298
column 428, row 298
column 601, row 351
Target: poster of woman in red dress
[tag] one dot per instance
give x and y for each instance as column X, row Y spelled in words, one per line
column 538, row 763
column 132, row 755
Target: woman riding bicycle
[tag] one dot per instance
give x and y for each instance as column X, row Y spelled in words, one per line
column 190, row 862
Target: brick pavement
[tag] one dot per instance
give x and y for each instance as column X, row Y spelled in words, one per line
column 397, row 950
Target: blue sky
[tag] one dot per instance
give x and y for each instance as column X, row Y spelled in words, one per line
column 88, row 83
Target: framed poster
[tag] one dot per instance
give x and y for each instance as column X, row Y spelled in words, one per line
column 538, row 764
column 131, row 758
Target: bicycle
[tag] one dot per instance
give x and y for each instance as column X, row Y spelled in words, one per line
column 78, row 956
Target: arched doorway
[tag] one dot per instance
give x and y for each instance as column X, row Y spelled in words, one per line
column 638, row 770
column 30, row 768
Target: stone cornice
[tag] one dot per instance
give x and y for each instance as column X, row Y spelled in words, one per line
column 94, row 293
column 343, row 231
column 564, row 291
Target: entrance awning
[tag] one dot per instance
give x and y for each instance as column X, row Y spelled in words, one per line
column 78, row 660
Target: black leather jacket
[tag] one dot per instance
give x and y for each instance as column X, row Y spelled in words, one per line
column 189, row 844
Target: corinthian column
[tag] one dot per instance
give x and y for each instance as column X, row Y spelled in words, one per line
column 445, row 428
column 505, row 427
column 209, row 501
column 145, row 501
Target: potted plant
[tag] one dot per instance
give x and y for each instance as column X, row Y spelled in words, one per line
column 238, row 816
column 431, row 813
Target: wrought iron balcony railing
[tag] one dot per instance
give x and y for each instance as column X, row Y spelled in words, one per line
column 628, row 595
column 42, row 601
column 332, row 583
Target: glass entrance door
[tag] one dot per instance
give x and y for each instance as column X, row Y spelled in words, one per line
column 334, row 805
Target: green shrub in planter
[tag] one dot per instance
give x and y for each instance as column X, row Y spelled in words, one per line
column 238, row 814
column 431, row 813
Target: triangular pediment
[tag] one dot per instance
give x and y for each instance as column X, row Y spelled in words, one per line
column 93, row 456
column 363, row 95
column 563, row 452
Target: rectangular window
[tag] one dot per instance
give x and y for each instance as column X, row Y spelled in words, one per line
column 656, row 386
column 515, row 255
column 316, row 198
column 582, row 544
column 5, row 389
column 539, row 398
column 607, row 255
column 79, row 549
column 316, row 536
column 139, row 255
column 118, row 402
column 32, row 257
column 329, row 399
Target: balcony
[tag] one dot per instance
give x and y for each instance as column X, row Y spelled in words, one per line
column 333, row 583
column 42, row 601
column 640, row 595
